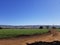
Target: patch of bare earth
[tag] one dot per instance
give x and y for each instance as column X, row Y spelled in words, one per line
column 48, row 37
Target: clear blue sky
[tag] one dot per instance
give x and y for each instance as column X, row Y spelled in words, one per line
column 29, row 12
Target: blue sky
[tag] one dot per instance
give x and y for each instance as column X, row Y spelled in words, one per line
column 29, row 12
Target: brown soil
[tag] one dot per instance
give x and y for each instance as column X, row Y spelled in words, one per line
column 48, row 37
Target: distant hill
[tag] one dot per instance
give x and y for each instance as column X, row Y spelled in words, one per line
column 28, row 26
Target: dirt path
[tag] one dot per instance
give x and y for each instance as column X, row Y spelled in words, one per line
column 30, row 39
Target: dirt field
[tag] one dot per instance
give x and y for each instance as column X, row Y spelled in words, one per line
column 48, row 37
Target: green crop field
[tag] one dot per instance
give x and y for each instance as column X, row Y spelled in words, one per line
column 7, row 33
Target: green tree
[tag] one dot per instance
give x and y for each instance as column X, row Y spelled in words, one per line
column 53, row 27
column 41, row 27
column 47, row 27
column 0, row 27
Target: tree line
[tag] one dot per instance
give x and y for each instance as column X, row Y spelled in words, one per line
column 47, row 27
column 41, row 27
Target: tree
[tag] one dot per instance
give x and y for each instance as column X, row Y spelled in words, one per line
column 41, row 27
column 47, row 27
column 0, row 27
column 53, row 27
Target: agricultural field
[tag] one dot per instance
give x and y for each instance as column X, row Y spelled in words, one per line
column 7, row 33
column 10, row 34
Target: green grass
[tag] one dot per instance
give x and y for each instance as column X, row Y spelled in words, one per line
column 6, row 33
